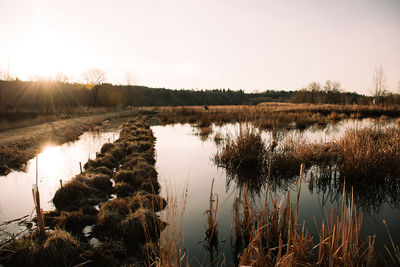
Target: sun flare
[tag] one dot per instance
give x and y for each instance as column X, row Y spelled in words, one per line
column 44, row 53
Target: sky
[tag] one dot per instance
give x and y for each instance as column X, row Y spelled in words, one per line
column 207, row 44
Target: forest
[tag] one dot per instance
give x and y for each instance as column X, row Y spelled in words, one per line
column 30, row 98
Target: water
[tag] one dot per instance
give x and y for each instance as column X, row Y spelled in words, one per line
column 55, row 163
column 185, row 157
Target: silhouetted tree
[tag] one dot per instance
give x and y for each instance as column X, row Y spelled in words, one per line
column 94, row 78
column 61, row 78
column 379, row 89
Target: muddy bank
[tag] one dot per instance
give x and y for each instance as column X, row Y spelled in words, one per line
column 105, row 216
column 18, row 146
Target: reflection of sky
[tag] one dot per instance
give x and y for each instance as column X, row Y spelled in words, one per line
column 55, row 163
column 183, row 157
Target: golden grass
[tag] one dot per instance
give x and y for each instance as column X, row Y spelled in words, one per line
column 171, row 239
column 275, row 238
column 272, row 115
column 367, row 153
column 212, row 222
column 245, row 150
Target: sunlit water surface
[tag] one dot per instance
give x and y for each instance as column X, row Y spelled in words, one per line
column 183, row 157
column 55, row 163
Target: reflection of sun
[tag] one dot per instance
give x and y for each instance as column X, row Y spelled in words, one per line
column 50, row 161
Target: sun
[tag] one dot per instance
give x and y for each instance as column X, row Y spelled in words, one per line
column 43, row 53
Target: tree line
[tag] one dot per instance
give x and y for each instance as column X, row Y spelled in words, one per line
column 45, row 97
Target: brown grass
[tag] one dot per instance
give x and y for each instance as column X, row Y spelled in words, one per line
column 361, row 154
column 275, row 238
column 272, row 115
column 59, row 248
column 212, row 222
column 243, row 151
column 171, row 239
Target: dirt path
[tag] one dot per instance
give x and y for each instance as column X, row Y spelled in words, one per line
column 17, row 146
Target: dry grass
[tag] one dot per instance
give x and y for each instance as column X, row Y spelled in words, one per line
column 340, row 241
column 272, row 115
column 395, row 254
column 275, row 238
column 212, row 223
column 171, row 240
column 361, row 154
column 243, row 151
column 58, row 248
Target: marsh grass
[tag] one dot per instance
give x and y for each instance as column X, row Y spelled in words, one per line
column 274, row 237
column 171, row 240
column 273, row 115
column 212, row 222
column 362, row 154
column 243, row 151
column 58, row 248
column 395, row 254
column 370, row 153
column 204, row 132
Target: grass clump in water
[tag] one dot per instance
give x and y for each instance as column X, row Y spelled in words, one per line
column 58, row 248
column 244, row 151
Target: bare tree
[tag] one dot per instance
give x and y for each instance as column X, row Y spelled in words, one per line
column 61, row 78
column 379, row 88
column 93, row 78
column 332, row 91
column 6, row 76
column 130, row 80
column 332, row 86
column 314, row 88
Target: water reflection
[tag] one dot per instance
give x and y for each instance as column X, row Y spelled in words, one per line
column 369, row 195
column 55, row 163
column 182, row 155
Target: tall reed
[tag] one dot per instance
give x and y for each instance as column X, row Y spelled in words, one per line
column 276, row 238
column 170, row 242
column 212, row 223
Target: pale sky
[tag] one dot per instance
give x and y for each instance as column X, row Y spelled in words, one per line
column 205, row 44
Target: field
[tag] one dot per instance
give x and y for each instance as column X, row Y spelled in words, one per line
column 264, row 162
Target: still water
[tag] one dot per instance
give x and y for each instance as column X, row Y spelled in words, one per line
column 185, row 157
column 55, row 163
